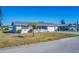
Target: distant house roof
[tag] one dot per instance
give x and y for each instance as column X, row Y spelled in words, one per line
column 20, row 23
column 7, row 26
column 37, row 23
column 66, row 25
column 62, row 25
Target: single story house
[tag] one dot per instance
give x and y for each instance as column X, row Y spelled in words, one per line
column 75, row 28
column 63, row 27
column 66, row 27
column 41, row 27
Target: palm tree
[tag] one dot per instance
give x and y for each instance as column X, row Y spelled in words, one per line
column 33, row 27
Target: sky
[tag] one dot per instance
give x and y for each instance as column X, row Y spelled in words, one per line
column 52, row 14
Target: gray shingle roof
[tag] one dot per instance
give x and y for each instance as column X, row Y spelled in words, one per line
column 37, row 23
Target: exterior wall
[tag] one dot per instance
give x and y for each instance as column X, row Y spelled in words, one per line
column 18, row 27
column 49, row 29
column 15, row 28
column 25, row 30
column 73, row 28
column 63, row 28
column 77, row 28
column 52, row 29
column 42, row 30
column 56, row 28
column 39, row 29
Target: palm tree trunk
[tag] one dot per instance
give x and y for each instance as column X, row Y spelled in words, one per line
column 33, row 33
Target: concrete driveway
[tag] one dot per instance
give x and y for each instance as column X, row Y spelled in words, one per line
column 67, row 45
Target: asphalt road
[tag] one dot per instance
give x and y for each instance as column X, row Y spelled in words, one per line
column 67, row 45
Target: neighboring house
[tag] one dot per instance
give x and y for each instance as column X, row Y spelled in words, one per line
column 65, row 27
column 75, row 28
column 41, row 27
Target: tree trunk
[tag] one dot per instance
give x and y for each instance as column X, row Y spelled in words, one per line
column 33, row 33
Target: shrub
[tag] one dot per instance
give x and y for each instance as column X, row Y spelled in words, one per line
column 6, row 30
column 18, row 31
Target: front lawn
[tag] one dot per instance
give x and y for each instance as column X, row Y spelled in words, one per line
column 7, row 40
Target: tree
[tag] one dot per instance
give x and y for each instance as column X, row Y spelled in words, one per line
column 62, row 21
column 74, row 24
column 70, row 24
column 33, row 26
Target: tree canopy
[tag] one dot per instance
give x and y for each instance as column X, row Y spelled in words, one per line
column 62, row 21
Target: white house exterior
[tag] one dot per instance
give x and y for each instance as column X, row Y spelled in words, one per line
column 52, row 28
column 41, row 27
column 18, row 27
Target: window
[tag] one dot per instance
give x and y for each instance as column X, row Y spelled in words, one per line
column 42, row 27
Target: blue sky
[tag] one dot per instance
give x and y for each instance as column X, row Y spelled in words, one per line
column 51, row 14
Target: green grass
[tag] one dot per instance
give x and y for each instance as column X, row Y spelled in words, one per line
column 8, row 40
